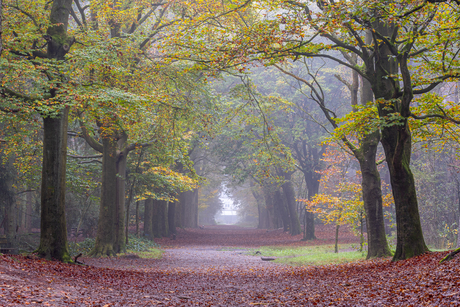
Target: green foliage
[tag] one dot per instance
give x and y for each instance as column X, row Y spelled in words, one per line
column 135, row 245
column 83, row 247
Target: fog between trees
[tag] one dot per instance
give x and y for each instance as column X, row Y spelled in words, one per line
column 132, row 117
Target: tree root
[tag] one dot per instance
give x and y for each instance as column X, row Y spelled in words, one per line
column 450, row 256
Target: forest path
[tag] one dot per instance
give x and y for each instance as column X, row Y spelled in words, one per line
column 195, row 274
column 223, row 247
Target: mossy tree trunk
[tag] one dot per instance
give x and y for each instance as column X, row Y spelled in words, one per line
column 53, row 229
column 397, row 143
column 8, row 201
column 372, row 187
column 53, row 237
column 106, row 226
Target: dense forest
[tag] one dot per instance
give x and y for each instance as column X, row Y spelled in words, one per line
column 136, row 117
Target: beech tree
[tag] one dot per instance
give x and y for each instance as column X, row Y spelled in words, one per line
column 41, row 56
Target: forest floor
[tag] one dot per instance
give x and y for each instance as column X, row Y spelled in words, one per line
column 210, row 267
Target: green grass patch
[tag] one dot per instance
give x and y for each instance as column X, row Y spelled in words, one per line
column 310, row 255
column 152, row 253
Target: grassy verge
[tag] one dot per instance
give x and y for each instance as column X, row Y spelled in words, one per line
column 151, row 253
column 142, row 247
column 310, row 255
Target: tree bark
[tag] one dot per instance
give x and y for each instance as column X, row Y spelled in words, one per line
column 53, row 237
column 372, row 188
column 156, row 219
column 148, row 218
column 53, row 229
column 336, row 246
column 120, row 237
column 396, row 142
column 280, row 204
column 289, row 193
column 163, row 218
column 312, row 182
column 106, row 227
column 172, row 218
column 272, row 218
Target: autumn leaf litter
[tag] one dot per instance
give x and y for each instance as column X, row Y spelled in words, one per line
column 197, row 274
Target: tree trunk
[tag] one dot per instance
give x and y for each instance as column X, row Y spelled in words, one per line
column 156, row 219
column 272, row 219
column 189, row 208
column 372, row 187
column 172, row 217
column 280, row 204
column 29, row 204
column 120, row 239
column 372, row 198
column 148, row 218
column 289, row 193
column 336, row 246
column 137, row 220
column 312, row 182
column 106, row 227
column 7, row 199
column 397, row 144
column 163, row 218
column 53, row 230
column 261, row 210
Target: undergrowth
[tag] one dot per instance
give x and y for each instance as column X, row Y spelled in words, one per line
column 135, row 245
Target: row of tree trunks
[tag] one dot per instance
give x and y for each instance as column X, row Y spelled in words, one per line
column 156, row 219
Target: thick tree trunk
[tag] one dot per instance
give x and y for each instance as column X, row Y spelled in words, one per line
column 372, row 198
column 53, row 237
column 272, row 219
column 53, row 231
column 172, row 218
column 179, row 209
column 120, row 239
column 312, row 182
column 281, row 206
column 163, row 218
column 156, row 219
column 261, row 210
column 396, row 141
column 289, row 193
column 397, row 144
column 148, row 218
column 106, row 227
column 372, row 188
column 8, row 201
column 189, row 208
